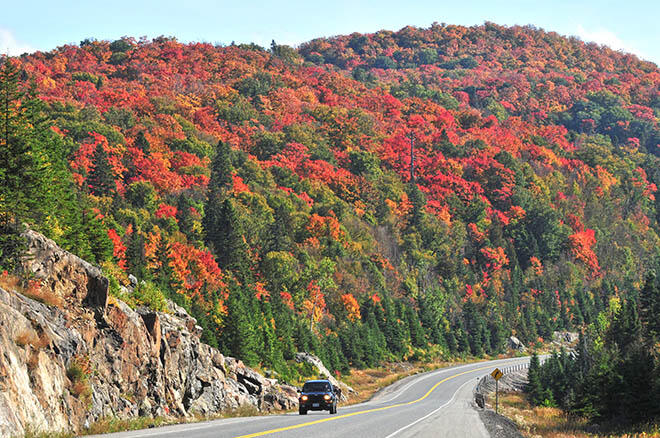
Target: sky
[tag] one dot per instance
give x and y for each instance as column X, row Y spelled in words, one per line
column 29, row 25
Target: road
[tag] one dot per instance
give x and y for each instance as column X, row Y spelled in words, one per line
column 433, row 404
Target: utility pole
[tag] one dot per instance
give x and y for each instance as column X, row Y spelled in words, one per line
column 412, row 158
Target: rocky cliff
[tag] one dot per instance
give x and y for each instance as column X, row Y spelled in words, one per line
column 67, row 365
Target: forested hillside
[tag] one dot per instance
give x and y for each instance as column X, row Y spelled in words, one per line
column 269, row 191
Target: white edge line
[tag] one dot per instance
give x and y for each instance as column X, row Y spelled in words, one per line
column 180, row 428
column 430, row 413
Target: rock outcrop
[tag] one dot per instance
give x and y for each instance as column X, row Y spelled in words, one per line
column 514, row 344
column 323, row 372
column 62, row 368
column 565, row 339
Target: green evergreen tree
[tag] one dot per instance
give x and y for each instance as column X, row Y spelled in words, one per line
column 240, row 337
column 20, row 159
column 221, row 169
column 271, row 353
column 135, row 256
column 534, row 386
column 418, row 201
column 225, row 234
column 417, row 337
column 625, row 330
column 142, row 143
column 649, row 300
column 101, row 179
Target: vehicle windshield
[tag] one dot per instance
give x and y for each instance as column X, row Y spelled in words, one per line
column 316, row 387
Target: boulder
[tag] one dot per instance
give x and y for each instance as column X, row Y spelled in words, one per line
column 565, row 338
column 515, row 344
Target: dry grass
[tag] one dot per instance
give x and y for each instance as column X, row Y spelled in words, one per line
column 78, row 373
column 368, row 381
column 9, row 282
column 26, row 337
column 30, row 337
column 44, row 295
column 242, row 411
column 32, row 360
column 33, row 290
column 111, row 425
column 545, row 422
column 31, row 432
column 81, row 389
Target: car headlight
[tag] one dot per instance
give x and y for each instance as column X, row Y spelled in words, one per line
column 326, row 397
column 304, row 398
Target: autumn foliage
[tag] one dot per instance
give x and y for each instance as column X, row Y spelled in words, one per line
column 535, row 172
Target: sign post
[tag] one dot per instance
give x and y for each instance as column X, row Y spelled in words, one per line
column 497, row 375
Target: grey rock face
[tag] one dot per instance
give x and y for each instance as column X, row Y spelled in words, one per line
column 131, row 362
column 323, row 372
column 515, row 344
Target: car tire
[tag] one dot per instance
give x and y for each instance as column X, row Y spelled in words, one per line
column 333, row 409
column 302, row 411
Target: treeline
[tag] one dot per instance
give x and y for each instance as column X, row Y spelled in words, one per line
column 613, row 377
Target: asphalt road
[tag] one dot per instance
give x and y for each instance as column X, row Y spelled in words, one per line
column 434, row 404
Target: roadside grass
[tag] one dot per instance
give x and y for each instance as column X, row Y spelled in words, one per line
column 113, row 424
column 110, row 425
column 31, row 432
column 547, row 422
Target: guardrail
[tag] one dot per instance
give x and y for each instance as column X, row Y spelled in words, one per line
column 506, row 370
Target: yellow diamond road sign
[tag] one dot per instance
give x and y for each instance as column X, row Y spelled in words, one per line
column 497, row 374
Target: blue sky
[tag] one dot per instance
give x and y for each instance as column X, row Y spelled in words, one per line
column 30, row 25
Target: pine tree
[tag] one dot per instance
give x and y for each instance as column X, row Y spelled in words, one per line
column 418, row 201
column 142, row 143
column 19, row 164
column 99, row 244
column 625, row 330
column 649, row 300
column 135, row 255
column 101, row 179
column 221, row 169
column 240, row 337
column 271, row 353
column 417, row 337
column 534, row 386
column 224, row 233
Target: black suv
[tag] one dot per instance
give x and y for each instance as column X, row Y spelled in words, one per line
column 318, row 395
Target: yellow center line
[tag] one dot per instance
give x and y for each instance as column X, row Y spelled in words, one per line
column 298, row 426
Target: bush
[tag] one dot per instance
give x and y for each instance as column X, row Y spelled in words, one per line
column 78, row 373
column 149, row 295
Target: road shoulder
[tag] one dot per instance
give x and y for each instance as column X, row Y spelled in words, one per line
column 498, row 426
column 458, row 419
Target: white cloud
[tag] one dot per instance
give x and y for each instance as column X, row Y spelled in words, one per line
column 10, row 46
column 607, row 38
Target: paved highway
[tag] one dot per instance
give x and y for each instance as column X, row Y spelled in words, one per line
column 433, row 404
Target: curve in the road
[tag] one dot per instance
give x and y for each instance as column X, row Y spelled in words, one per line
column 366, row 411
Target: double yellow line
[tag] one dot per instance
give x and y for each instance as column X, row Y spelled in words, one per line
column 297, row 426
